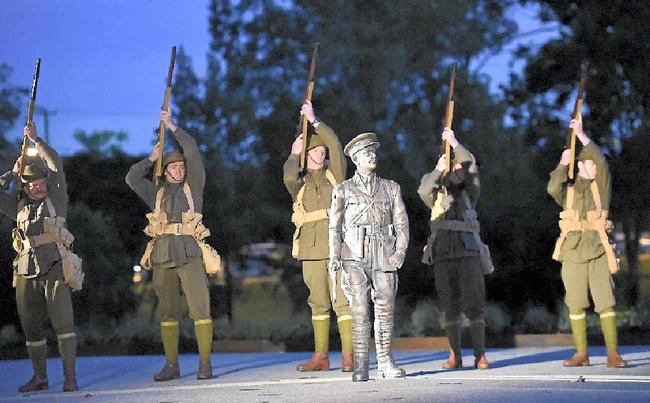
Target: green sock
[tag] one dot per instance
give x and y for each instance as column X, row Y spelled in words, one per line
column 169, row 335
column 477, row 328
column 321, row 334
column 345, row 331
column 68, row 351
column 608, row 326
column 579, row 330
column 203, row 332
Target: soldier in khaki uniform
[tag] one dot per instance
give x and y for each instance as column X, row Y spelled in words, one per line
column 42, row 245
column 311, row 194
column 453, row 249
column 583, row 246
column 174, row 253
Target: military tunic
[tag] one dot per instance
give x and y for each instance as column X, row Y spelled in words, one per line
column 176, row 259
column 313, row 236
column 455, row 254
column 584, row 263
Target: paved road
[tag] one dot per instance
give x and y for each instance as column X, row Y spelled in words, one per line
column 523, row 374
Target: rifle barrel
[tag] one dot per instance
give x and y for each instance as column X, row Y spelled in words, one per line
column 165, row 107
column 577, row 113
column 30, row 115
column 303, row 124
column 449, row 116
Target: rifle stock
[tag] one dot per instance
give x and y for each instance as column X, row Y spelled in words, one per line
column 449, row 117
column 30, row 115
column 577, row 113
column 303, row 124
column 161, row 128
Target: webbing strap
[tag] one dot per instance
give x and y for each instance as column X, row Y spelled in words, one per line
column 570, row 194
column 186, row 191
column 330, row 177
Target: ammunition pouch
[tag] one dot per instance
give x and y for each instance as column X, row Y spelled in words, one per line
column 596, row 221
column 191, row 225
column 72, row 272
column 469, row 224
column 54, row 232
column 299, row 218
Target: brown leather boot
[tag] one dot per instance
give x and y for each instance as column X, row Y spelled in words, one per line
column 205, row 370
column 347, row 365
column 481, row 362
column 70, row 385
column 318, row 362
column 169, row 371
column 34, row 384
column 452, row 363
column 614, row 360
column 578, row 360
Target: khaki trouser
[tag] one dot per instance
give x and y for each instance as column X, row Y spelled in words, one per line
column 581, row 278
column 316, row 277
column 167, row 283
column 42, row 297
column 461, row 287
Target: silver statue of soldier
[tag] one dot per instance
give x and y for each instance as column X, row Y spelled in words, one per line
column 368, row 235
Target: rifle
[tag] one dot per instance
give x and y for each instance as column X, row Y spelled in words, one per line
column 30, row 115
column 577, row 112
column 303, row 124
column 161, row 128
column 445, row 147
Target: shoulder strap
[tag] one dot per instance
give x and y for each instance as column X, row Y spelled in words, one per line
column 50, row 207
column 188, row 195
column 330, row 177
column 466, row 200
column 569, row 197
column 596, row 194
column 186, row 191
column 159, row 196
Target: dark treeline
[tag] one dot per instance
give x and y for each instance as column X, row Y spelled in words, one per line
column 384, row 68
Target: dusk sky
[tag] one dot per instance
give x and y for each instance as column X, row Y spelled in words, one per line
column 104, row 62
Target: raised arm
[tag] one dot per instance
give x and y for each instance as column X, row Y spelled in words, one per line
column 558, row 178
column 472, row 181
column 337, row 158
column 8, row 197
column 603, row 177
column 138, row 181
column 194, row 169
column 338, row 162
column 430, row 183
column 57, row 185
